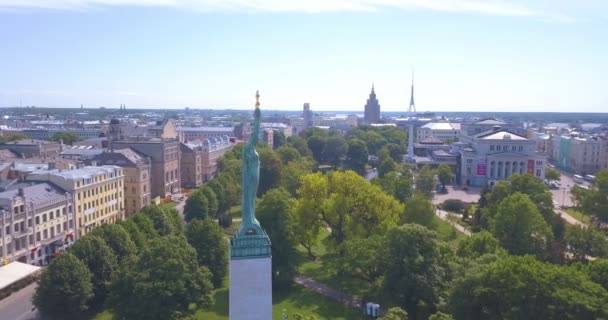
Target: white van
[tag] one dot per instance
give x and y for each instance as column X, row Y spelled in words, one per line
column 578, row 179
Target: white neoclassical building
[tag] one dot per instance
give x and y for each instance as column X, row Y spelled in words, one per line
column 444, row 131
column 494, row 155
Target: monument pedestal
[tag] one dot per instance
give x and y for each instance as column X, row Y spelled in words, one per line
column 250, row 267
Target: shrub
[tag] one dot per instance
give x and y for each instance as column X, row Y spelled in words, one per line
column 454, row 205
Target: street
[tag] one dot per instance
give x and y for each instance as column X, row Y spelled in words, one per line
column 18, row 306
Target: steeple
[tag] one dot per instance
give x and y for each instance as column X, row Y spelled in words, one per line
column 412, row 107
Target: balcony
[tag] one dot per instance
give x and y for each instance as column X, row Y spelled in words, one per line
column 22, row 233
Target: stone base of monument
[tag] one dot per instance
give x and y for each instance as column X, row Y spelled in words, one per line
column 250, row 295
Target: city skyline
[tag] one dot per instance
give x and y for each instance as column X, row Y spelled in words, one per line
column 468, row 55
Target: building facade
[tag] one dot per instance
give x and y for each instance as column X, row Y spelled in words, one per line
column 187, row 134
column 580, row 154
column 37, row 222
column 137, row 171
column 495, row 155
column 445, row 131
column 165, row 167
column 31, row 148
column 372, row 109
column 98, row 193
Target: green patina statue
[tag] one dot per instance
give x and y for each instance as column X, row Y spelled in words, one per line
column 251, row 177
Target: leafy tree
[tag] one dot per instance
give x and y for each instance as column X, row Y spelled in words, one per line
column 351, row 206
column 525, row 288
column 211, row 247
column 425, row 181
column 278, row 139
column 212, row 202
column 232, row 190
column 598, row 272
column 313, row 192
column 316, row 145
column 288, row 154
column 293, row 172
column 64, row 288
column 335, row 150
column 164, row 223
column 197, row 206
column 386, row 164
column 416, row 267
column 586, row 242
column 273, row 213
column 520, row 228
column 270, row 171
column 218, row 189
column 66, row 137
column 440, row 316
column 398, row 184
column 162, row 283
column 444, row 173
column 362, row 258
column 14, row 137
column 479, row 244
column 419, row 210
column 145, row 225
column 395, row 151
column 594, row 201
column 395, row 313
column 552, row 174
column 117, row 238
column 357, row 155
column 300, row 144
column 101, row 262
column 139, row 238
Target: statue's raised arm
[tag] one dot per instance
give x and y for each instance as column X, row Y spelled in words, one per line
column 251, row 176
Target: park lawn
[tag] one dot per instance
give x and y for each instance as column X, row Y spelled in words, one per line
column 236, row 211
column 168, row 205
column 294, row 300
column 584, row 218
column 232, row 229
column 447, row 232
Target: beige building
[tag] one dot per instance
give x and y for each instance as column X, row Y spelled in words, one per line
column 199, row 160
column 30, row 148
column 445, row 131
column 98, row 193
column 164, row 155
column 36, row 222
column 137, row 172
column 580, row 154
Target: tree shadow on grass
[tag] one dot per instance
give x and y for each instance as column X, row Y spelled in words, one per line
column 309, row 302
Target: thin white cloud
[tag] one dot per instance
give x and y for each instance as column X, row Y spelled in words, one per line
column 487, row 7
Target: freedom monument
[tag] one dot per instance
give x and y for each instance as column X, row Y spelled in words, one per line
column 250, row 296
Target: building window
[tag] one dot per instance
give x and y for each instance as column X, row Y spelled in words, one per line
column 44, row 217
column 538, row 172
column 521, row 148
column 492, row 148
column 51, row 215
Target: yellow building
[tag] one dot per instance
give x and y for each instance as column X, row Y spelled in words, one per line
column 98, row 193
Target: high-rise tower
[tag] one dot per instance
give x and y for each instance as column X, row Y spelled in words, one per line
column 412, row 108
column 372, row 109
column 307, row 116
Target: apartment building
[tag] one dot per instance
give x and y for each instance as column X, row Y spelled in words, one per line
column 98, row 193
column 199, row 160
column 37, row 222
column 31, row 148
column 580, row 154
column 189, row 134
column 137, row 171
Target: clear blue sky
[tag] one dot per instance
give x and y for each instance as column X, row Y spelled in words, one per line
column 468, row 55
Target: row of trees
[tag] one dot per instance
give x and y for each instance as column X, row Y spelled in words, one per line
column 149, row 266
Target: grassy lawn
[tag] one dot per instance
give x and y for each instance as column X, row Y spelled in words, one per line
column 234, row 227
column 296, row 300
column 236, row 211
column 169, row 205
column 586, row 219
column 447, row 232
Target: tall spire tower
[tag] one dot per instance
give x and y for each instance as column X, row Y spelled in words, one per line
column 412, row 108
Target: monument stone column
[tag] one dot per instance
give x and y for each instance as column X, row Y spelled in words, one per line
column 250, row 268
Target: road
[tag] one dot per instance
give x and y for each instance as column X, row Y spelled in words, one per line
column 18, row 306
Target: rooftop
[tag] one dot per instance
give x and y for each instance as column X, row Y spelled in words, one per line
column 490, row 122
column 37, row 193
column 442, row 126
column 202, row 129
column 502, row 135
column 80, row 173
column 14, row 272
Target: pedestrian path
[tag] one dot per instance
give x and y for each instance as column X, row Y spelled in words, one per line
column 443, row 215
column 329, row 292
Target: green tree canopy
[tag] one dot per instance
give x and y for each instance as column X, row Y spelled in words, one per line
column 395, row 313
column 357, row 155
column 293, row 172
column 100, row 261
column 425, row 181
column 197, row 206
column 520, row 228
column 335, row 150
column 598, row 272
column 270, row 171
column 207, row 238
column 64, row 289
column 444, row 173
column 212, row 202
column 524, row 288
column 419, row 210
column 552, row 174
column 594, row 201
column 479, row 244
column 584, row 242
column 288, row 154
column 273, row 213
column 117, row 238
column 162, row 283
column 300, row 144
column 316, row 144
